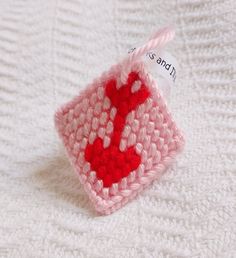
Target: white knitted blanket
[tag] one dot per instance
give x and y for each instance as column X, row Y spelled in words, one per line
column 49, row 51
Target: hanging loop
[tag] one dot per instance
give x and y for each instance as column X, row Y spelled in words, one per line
column 157, row 41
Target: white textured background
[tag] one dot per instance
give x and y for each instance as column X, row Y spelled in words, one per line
column 49, row 51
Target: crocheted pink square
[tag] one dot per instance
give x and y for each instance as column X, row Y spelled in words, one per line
column 148, row 140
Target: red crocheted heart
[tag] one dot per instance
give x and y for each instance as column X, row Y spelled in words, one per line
column 111, row 164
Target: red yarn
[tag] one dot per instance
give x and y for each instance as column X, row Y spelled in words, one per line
column 126, row 170
column 88, row 152
column 110, row 164
column 101, row 172
column 117, row 175
column 107, row 180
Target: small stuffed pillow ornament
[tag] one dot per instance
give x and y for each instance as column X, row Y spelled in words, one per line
column 118, row 133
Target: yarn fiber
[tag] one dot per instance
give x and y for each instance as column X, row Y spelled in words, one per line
column 119, row 138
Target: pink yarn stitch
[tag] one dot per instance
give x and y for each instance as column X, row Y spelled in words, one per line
column 150, row 128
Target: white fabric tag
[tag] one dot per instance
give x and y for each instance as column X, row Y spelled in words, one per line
column 164, row 68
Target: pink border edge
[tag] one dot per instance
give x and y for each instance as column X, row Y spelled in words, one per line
column 108, row 206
